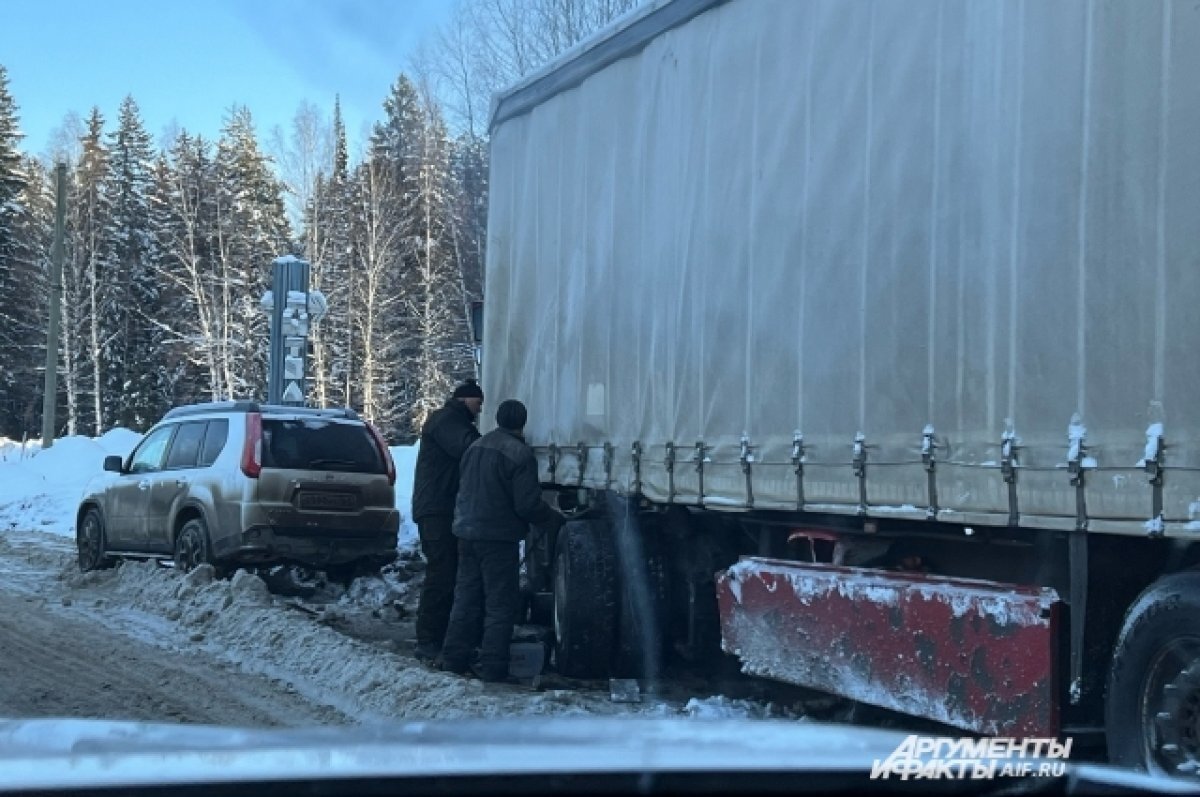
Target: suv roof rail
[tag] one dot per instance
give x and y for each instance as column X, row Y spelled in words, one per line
column 254, row 406
column 332, row 412
column 212, row 406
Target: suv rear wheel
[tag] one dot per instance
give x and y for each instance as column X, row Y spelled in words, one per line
column 89, row 538
column 191, row 546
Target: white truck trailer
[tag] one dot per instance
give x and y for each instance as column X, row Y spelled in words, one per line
column 863, row 336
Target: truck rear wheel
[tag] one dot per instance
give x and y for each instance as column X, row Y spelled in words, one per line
column 585, row 599
column 643, row 616
column 1153, row 709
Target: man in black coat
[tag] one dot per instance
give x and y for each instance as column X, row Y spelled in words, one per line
column 499, row 498
column 445, row 437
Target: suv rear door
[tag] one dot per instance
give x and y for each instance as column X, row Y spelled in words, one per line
column 324, row 476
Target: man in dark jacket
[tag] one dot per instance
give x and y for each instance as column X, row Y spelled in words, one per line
column 446, row 436
column 499, row 498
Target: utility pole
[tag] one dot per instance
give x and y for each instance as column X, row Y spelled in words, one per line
column 50, row 398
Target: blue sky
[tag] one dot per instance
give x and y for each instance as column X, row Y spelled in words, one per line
column 188, row 62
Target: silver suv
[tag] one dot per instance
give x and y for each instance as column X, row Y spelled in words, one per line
column 239, row 483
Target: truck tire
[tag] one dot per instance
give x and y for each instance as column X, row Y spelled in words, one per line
column 641, row 629
column 1152, row 714
column 585, row 599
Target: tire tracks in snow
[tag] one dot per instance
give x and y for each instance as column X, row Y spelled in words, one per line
column 61, row 659
column 59, row 666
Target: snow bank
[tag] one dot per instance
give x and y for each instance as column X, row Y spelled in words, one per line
column 42, row 490
column 119, row 441
column 239, row 622
column 13, row 450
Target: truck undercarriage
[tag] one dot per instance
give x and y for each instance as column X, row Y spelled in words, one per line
column 994, row 631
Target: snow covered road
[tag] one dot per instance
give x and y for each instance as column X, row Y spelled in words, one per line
column 142, row 641
column 62, row 666
column 62, row 659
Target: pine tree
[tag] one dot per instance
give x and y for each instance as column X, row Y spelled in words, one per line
column 130, row 384
column 13, row 183
column 395, row 142
column 13, row 254
column 26, row 301
column 91, row 286
column 252, row 230
column 342, row 310
column 177, row 380
column 469, row 173
column 327, row 237
column 12, row 176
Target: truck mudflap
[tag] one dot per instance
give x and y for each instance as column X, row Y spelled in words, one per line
column 976, row 655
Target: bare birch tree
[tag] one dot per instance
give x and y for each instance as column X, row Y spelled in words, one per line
column 373, row 295
column 302, row 155
column 487, row 45
column 435, row 301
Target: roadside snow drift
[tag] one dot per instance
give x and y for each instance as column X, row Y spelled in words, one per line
column 40, row 489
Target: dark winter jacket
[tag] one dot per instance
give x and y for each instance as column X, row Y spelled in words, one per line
column 446, row 436
column 500, row 494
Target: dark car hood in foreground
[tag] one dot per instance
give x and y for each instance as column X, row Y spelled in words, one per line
column 564, row 754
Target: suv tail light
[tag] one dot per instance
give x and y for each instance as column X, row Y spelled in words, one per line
column 385, row 453
column 252, row 447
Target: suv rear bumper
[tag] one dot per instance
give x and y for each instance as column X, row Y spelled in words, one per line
column 311, row 547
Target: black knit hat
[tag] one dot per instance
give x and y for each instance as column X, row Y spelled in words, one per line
column 468, row 389
column 511, row 415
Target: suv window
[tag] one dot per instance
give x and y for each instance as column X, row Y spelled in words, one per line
column 149, row 455
column 185, row 448
column 320, row 444
column 214, row 442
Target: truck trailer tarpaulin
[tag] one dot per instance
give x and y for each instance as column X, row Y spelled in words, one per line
column 802, row 220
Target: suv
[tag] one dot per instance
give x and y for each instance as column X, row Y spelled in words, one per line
column 239, row 483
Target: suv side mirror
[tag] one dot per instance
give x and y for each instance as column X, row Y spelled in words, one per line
column 114, row 463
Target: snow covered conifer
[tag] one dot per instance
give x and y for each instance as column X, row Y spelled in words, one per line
column 130, row 383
